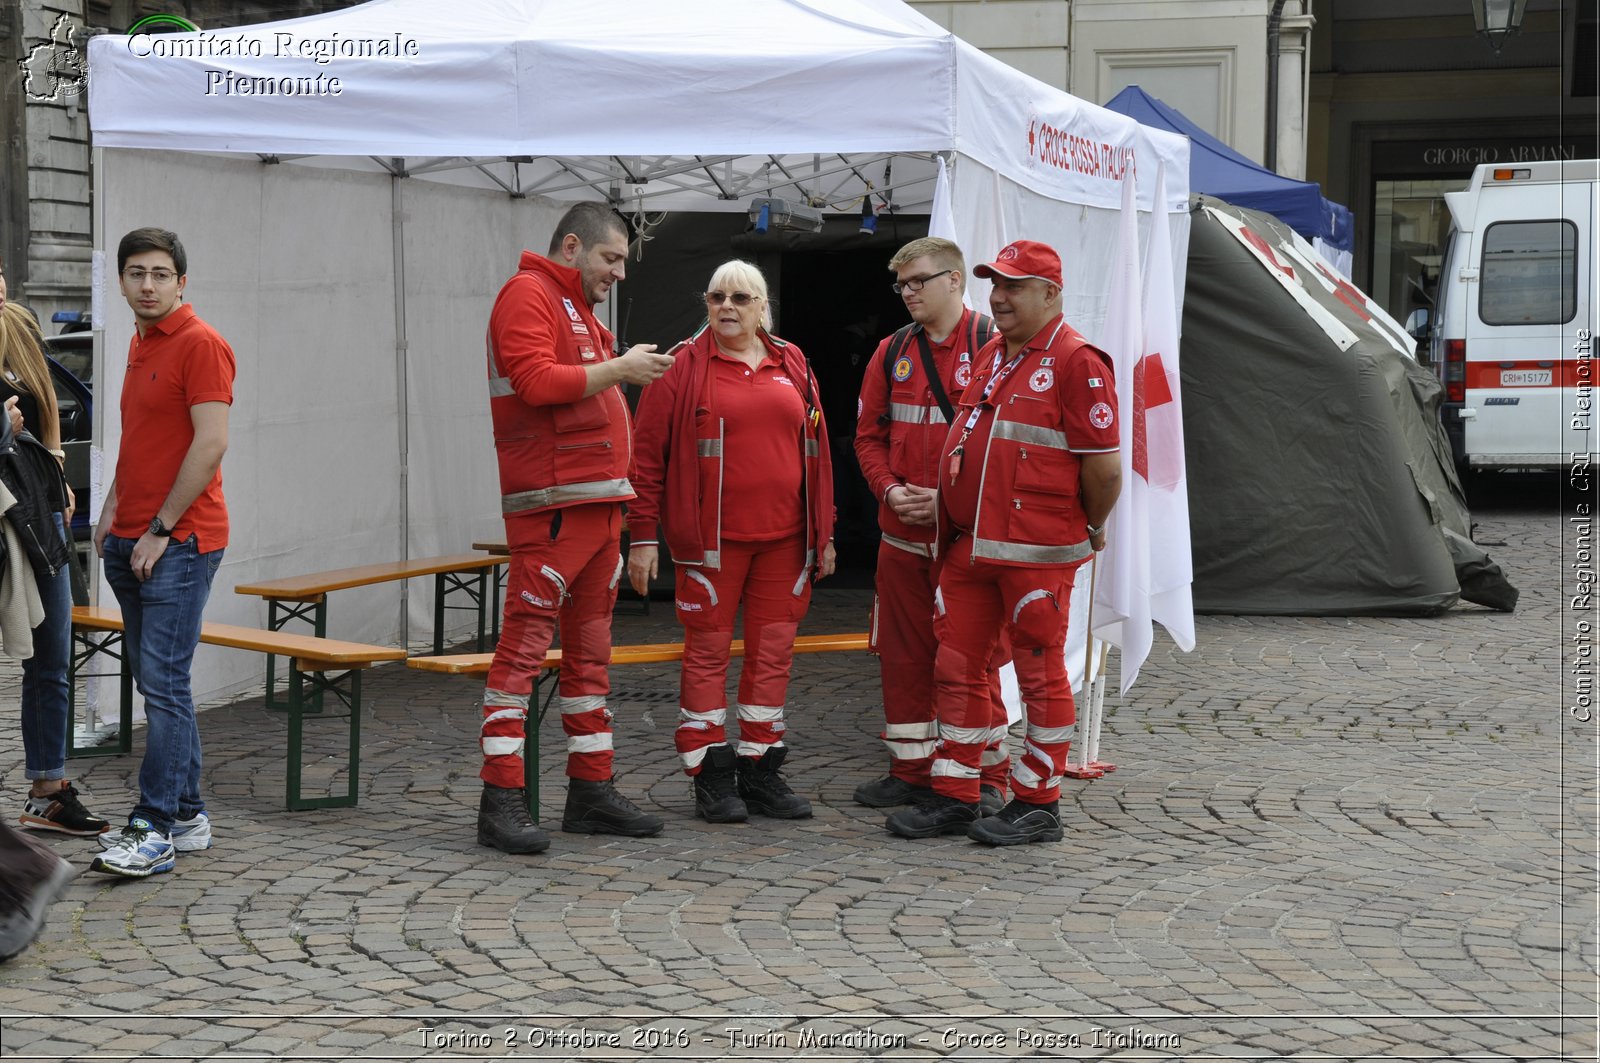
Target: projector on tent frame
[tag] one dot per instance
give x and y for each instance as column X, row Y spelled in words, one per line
column 784, row 214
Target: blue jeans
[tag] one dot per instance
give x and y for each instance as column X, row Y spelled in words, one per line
column 161, row 628
column 45, row 710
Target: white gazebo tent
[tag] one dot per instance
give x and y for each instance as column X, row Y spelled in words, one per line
column 288, row 156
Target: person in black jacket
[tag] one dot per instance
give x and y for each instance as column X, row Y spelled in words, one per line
column 43, row 512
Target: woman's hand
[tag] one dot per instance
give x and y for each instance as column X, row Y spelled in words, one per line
column 72, row 505
column 829, row 559
column 642, row 564
column 15, row 415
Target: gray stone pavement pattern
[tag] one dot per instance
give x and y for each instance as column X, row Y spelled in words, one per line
column 1339, row 838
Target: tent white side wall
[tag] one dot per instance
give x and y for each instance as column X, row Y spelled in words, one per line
column 360, row 431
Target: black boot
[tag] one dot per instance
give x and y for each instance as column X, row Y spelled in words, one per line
column 933, row 815
column 597, row 808
column 503, row 821
column 764, row 790
column 714, row 798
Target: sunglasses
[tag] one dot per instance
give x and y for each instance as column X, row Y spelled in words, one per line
column 736, row 298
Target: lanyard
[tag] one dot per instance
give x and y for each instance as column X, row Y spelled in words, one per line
column 997, row 376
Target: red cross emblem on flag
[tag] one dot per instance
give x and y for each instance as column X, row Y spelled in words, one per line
column 1150, row 391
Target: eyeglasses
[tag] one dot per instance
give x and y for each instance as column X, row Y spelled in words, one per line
column 914, row 284
column 160, row 276
column 736, row 298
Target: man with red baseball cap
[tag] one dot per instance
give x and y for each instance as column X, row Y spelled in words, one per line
column 1029, row 474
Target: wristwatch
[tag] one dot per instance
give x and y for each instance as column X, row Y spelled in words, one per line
column 1093, row 531
column 158, row 529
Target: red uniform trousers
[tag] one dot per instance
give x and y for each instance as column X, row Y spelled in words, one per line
column 565, row 564
column 774, row 584
column 902, row 635
column 977, row 601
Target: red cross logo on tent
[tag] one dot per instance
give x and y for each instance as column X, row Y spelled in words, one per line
column 1150, row 390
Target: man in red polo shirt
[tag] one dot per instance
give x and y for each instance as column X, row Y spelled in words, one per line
column 1029, row 473
column 902, row 419
column 161, row 533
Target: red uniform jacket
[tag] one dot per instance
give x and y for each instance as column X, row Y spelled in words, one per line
column 900, row 429
column 556, row 448
column 1029, row 511
column 679, row 470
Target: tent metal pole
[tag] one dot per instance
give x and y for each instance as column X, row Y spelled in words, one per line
column 402, row 386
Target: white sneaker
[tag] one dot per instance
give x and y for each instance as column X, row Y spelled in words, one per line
column 192, row 835
column 137, row 851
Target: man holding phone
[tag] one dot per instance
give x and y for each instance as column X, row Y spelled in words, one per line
column 564, row 441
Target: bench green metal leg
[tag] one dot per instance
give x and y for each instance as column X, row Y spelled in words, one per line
column 480, row 591
column 278, row 616
column 110, row 644
column 530, row 750
column 347, row 688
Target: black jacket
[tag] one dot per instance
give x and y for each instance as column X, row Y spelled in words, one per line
column 34, row 477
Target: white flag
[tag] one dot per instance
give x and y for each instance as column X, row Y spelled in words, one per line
column 1166, row 487
column 1145, row 568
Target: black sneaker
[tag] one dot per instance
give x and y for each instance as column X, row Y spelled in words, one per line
column 888, row 792
column 597, row 808
column 933, row 815
column 715, row 796
column 764, row 789
column 504, row 823
column 63, row 813
column 1018, row 824
column 991, row 799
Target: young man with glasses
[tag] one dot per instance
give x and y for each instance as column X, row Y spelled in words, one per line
column 161, row 532
column 564, row 442
column 1027, row 477
column 902, row 421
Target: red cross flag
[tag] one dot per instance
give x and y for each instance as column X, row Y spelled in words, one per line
column 1145, row 570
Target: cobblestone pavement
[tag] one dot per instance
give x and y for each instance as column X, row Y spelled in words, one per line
column 1340, row 838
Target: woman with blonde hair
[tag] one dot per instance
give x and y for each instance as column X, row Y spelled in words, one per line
column 733, row 467
column 30, row 398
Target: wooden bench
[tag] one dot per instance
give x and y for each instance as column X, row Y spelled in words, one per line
column 647, row 653
column 311, row 660
column 305, row 598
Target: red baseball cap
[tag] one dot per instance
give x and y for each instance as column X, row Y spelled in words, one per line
column 1022, row 260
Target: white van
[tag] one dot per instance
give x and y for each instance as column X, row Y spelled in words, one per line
column 1512, row 335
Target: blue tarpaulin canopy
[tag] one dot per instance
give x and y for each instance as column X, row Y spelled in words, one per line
column 1217, row 170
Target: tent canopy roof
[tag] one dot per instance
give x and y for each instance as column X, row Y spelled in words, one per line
column 1215, row 169
column 718, row 98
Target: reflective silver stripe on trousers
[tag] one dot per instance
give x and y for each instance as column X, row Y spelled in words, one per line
column 967, row 736
column 492, row 696
column 995, row 756
column 599, row 743
column 709, row 448
column 551, row 496
column 920, row 549
column 502, row 747
column 908, row 413
column 910, row 750
column 1028, row 777
column 756, row 749
column 1050, row 734
column 1031, row 596
column 582, row 703
column 505, row 714
column 994, row 550
column 715, row 716
column 911, row 730
column 1030, row 433
column 759, row 713
column 950, row 769
column 711, row 591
